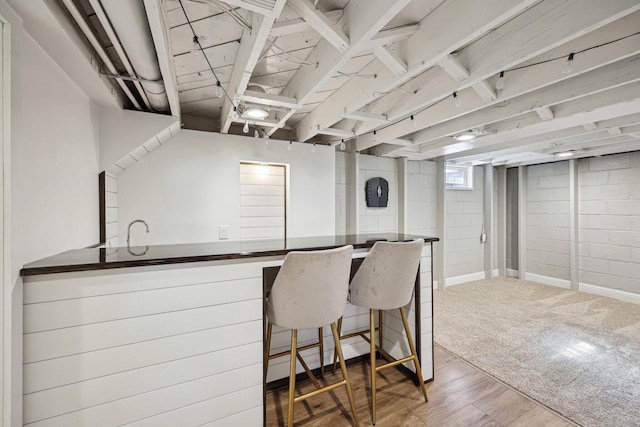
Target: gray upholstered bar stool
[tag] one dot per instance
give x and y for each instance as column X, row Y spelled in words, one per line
column 385, row 281
column 310, row 291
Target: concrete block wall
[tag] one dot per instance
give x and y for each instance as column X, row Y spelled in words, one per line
column 609, row 221
column 464, row 218
column 512, row 219
column 548, row 249
column 421, row 197
column 342, row 181
column 373, row 220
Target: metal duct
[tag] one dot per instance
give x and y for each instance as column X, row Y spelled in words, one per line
column 129, row 21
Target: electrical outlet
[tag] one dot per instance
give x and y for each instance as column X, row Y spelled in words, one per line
column 224, row 232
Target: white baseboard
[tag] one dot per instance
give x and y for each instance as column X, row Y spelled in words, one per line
column 610, row 293
column 546, row 280
column 472, row 277
column 495, row 273
column 511, row 272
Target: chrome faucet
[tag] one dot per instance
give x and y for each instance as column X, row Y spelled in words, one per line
column 129, row 228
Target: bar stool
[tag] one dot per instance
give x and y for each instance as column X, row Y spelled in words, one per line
column 385, row 281
column 310, row 291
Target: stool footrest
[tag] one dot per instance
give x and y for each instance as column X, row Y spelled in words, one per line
column 319, row 391
column 286, row 352
column 395, row 362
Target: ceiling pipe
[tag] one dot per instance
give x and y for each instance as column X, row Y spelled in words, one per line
column 84, row 27
column 104, row 21
column 129, row 22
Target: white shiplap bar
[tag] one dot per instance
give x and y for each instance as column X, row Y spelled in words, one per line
column 170, row 345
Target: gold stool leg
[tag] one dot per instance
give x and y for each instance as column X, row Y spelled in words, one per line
column 321, row 341
column 380, row 328
column 372, row 342
column 267, row 350
column 292, row 375
column 416, row 362
column 335, row 354
column 345, row 375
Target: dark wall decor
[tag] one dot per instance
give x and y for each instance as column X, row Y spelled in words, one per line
column 377, row 191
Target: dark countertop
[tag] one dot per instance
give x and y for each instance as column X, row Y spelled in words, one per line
column 138, row 256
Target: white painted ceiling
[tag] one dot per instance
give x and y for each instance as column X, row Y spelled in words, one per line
column 342, row 69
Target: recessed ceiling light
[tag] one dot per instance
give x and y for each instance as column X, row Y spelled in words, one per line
column 468, row 135
column 255, row 113
column 565, row 154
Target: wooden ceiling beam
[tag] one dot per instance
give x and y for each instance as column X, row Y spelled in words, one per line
column 251, row 46
column 269, row 99
column 477, row 19
column 299, row 25
column 528, row 79
column 321, row 23
column 364, row 18
column 390, row 60
column 363, row 116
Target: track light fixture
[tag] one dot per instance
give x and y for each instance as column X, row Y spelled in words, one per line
column 235, row 115
column 568, row 66
column 218, row 92
column 500, row 82
column 342, row 145
column 456, row 100
column 290, row 146
column 245, row 128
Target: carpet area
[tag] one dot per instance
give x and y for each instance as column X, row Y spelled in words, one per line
column 577, row 353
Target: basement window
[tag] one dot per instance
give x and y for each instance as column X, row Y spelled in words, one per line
column 459, row 177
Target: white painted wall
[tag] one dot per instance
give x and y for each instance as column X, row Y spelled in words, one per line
column 609, row 189
column 342, row 182
column 421, row 198
column 464, row 216
column 548, row 251
column 512, row 219
column 375, row 220
column 188, row 187
column 54, row 178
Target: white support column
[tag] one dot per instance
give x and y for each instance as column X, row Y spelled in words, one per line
column 522, row 222
column 439, row 264
column 402, row 194
column 574, row 227
column 502, row 220
column 353, row 193
column 487, row 218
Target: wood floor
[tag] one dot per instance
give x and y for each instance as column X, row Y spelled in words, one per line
column 461, row 395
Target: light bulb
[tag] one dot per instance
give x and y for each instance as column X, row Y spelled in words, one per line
column 313, row 149
column 256, row 134
column 245, row 128
column 413, row 122
column 500, row 82
column 235, row 115
column 568, row 67
column 456, row 100
column 195, row 47
column 375, row 139
column 290, row 146
column 342, row 145
column 218, row 92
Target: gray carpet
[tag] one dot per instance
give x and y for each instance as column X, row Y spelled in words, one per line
column 576, row 353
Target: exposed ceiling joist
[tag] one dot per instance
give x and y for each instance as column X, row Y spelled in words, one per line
column 390, row 60
column 158, row 26
column 451, row 66
column 335, row 132
column 477, row 19
column 298, row 25
column 270, row 8
column 251, row 46
column 540, row 76
column 608, row 77
column 557, row 137
column 598, row 107
column 545, row 113
column 590, row 127
column 556, row 25
column 321, row 23
column 364, row 18
column 392, row 35
column 485, row 91
column 363, row 116
column 614, row 131
column 268, row 99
